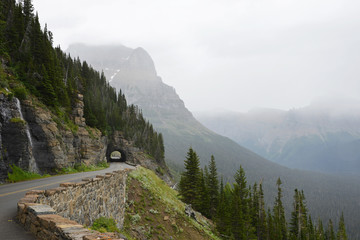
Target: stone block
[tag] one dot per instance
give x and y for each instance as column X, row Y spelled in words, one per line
column 50, row 192
column 28, row 199
column 21, row 208
column 96, row 179
column 35, row 192
column 53, row 191
column 82, row 183
column 40, row 210
column 67, row 184
column 34, row 229
column 23, row 219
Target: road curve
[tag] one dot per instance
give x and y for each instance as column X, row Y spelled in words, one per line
column 10, row 194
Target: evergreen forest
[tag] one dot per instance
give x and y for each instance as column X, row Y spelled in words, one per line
column 239, row 210
column 42, row 70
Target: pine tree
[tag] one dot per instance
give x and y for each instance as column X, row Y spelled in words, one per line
column 28, row 10
column 341, row 234
column 242, row 227
column 298, row 224
column 330, row 234
column 220, row 214
column 190, row 178
column 213, row 186
column 254, row 206
column 262, row 226
column 311, row 229
column 270, row 226
column 202, row 203
column 319, row 233
column 224, row 212
column 279, row 215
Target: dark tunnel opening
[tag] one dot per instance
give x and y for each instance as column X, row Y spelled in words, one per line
column 115, row 155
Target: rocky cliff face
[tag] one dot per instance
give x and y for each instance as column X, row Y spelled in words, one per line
column 34, row 139
column 31, row 138
column 15, row 146
column 134, row 155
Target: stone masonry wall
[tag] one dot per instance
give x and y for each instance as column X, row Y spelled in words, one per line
column 60, row 213
column 84, row 202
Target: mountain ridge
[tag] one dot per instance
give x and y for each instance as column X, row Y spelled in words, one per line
column 317, row 137
column 162, row 106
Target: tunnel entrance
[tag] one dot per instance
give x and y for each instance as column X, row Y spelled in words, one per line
column 115, row 155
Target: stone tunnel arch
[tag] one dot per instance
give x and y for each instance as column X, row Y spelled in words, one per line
column 112, row 154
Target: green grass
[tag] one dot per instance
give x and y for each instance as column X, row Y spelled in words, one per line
column 17, row 120
column 83, row 168
column 104, row 224
column 168, row 198
column 92, row 136
column 19, row 174
column 20, row 92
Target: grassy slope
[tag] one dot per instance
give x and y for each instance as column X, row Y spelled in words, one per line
column 18, row 174
column 154, row 211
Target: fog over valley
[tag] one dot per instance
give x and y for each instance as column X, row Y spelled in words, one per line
column 236, row 55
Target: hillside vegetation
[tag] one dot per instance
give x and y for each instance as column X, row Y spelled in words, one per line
column 239, row 210
column 27, row 55
column 154, row 211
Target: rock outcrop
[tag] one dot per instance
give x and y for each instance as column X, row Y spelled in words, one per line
column 49, row 144
column 56, row 145
column 15, row 147
column 33, row 138
column 135, row 156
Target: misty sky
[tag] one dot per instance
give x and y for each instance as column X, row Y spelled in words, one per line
column 227, row 54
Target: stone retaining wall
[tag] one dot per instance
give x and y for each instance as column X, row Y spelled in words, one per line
column 60, row 213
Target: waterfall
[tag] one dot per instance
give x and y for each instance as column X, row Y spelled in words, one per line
column 22, row 118
column 32, row 163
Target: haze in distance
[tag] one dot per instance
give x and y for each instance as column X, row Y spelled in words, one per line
column 233, row 55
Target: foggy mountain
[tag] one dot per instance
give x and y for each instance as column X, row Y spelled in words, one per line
column 324, row 136
column 133, row 71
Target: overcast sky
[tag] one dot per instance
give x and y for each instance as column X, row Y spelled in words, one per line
column 227, row 54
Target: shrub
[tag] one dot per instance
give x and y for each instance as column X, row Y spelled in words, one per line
column 17, row 120
column 104, row 224
column 160, row 171
column 135, row 218
column 103, row 164
column 17, row 174
column 20, row 93
column 10, row 96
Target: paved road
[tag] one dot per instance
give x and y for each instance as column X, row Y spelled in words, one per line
column 10, row 194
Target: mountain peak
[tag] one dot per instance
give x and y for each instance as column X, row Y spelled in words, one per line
column 140, row 62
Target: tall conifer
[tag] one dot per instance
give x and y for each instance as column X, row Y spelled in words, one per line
column 319, row 232
column 341, row 234
column 330, row 234
column 190, row 178
column 213, row 187
column 279, row 215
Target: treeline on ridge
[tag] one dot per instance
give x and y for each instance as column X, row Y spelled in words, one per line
column 56, row 79
column 239, row 210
